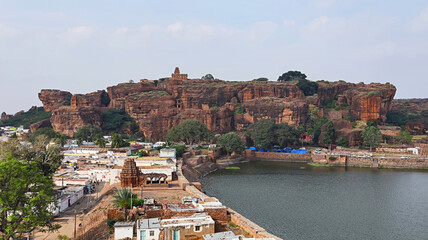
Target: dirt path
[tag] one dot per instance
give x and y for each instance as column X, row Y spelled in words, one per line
column 78, row 211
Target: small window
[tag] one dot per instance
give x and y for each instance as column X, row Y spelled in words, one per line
column 152, row 233
column 197, row 228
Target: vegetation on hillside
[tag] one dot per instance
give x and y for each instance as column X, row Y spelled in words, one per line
column 189, row 131
column 27, row 118
column 118, row 121
column 267, row 134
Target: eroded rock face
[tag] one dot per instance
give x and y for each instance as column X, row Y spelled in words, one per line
column 42, row 124
column 223, row 106
column 95, row 99
column 52, row 99
column 66, row 120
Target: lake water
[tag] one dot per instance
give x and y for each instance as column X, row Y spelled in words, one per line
column 297, row 201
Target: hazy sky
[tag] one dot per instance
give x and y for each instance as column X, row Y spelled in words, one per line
column 83, row 46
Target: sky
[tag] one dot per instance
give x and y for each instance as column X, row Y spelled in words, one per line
column 84, row 46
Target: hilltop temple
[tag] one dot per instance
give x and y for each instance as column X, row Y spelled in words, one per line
column 178, row 75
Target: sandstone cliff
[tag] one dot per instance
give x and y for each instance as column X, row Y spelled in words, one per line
column 223, row 106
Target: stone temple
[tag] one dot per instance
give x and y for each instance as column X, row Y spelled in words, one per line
column 132, row 176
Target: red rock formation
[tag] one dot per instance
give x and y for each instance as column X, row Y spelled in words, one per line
column 66, row 120
column 52, row 99
column 95, row 99
column 158, row 107
column 41, row 124
column 5, row 116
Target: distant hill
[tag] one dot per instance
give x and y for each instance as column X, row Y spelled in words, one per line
column 22, row 118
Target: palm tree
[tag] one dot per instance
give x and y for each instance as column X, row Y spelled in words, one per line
column 122, row 198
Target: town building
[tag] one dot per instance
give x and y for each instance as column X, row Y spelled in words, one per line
column 124, row 230
column 192, row 227
column 148, row 229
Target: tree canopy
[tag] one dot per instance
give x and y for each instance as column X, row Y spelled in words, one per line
column 117, row 141
column 404, row 137
column 371, row 136
column 267, row 134
column 309, row 88
column 87, row 133
column 231, row 143
column 190, row 131
column 208, row 77
column 329, row 134
column 291, row 75
column 26, row 187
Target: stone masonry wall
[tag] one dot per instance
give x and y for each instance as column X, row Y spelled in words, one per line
column 272, row 156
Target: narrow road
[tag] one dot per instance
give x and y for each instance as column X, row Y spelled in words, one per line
column 77, row 211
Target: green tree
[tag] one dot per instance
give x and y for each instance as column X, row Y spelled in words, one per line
column 48, row 159
column 261, row 79
column 231, row 143
column 208, row 77
column 287, row 136
column 117, row 141
column 263, row 133
column 26, row 198
column 47, row 131
column 60, row 139
column 404, row 137
column 267, row 134
column 180, row 150
column 190, row 131
column 371, row 137
column 291, row 75
column 100, row 141
column 309, row 88
column 122, row 198
column 87, row 133
column 329, row 134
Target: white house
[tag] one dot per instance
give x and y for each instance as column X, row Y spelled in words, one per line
column 148, row 229
column 124, row 230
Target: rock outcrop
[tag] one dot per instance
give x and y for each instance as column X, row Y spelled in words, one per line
column 223, row 106
column 42, row 124
column 53, row 99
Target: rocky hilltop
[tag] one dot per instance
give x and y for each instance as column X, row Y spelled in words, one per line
column 158, row 105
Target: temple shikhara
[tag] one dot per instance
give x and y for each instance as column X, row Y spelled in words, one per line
column 178, row 75
column 132, row 176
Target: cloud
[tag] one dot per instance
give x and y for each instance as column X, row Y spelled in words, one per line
column 362, row 27
column 420, row 23
column 191, row 32
column 261, row 31
column 77, row 33
column 289, row 23
column 6, row 31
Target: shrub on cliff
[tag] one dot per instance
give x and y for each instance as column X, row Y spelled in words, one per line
column 231, row 143
column 189, row 131
column 309, row 88
column 118, row 121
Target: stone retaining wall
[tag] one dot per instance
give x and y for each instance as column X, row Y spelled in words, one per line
column 235, row 217
column 276, row 156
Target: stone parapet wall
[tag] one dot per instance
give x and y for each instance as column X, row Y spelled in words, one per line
column 411, row 162
column 276, row 156
column 356, row 161
column 249, row 226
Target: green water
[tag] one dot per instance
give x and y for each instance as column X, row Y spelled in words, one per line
column 326, row 202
